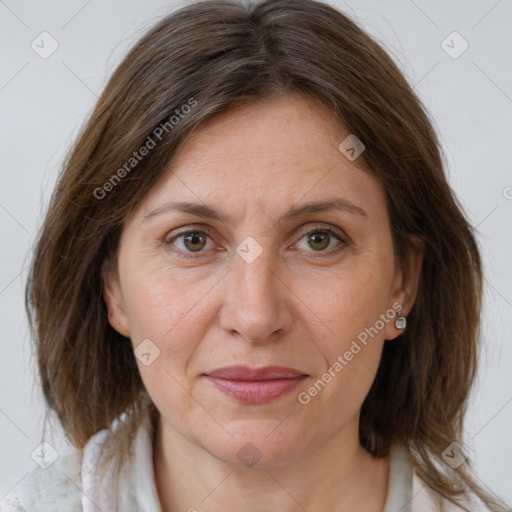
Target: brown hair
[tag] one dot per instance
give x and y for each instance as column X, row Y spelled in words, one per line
column 220, row 54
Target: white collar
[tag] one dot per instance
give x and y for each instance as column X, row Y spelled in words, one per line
column 400, row 481
column 137, row 487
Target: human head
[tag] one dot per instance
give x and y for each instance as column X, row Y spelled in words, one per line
column 251, row 290
column 222, row 55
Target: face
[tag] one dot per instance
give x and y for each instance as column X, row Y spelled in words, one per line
column 256, row 319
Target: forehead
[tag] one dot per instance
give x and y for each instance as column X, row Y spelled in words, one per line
column 267, row 155
column 280, row 132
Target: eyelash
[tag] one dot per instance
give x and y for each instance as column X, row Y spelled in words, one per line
column 343, row 239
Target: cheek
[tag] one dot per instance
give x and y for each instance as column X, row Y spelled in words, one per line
column 174, row 314
column 161, row 303
column 351, row 305
column 348, row 302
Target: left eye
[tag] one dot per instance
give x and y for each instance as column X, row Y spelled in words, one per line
column 319, row 239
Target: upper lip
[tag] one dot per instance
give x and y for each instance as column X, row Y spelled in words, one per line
column 255, row 374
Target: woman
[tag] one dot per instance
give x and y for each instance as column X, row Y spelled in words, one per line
column 254, row 289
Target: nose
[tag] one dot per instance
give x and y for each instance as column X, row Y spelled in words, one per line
column 257, row 303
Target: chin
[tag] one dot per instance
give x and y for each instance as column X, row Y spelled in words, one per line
column 259, row 444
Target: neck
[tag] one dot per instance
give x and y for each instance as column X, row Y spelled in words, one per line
column 335, row 476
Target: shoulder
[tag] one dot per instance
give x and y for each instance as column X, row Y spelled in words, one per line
column 78, row 479
column 408, row 492
column 56, row 487
column 425, row 499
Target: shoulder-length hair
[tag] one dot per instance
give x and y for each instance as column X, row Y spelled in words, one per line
column 200, row 61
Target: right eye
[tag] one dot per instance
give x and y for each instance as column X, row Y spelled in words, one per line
column 191, row 241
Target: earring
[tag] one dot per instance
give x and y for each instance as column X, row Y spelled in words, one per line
column 400, row 321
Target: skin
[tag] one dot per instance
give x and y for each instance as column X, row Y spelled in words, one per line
column 290, row 307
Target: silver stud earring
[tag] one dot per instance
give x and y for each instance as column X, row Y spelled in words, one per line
column 400, row 321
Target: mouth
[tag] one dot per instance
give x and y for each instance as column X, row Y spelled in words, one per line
column 255, row 385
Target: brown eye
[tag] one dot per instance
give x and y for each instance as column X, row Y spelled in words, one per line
column 196, row 242
column 319, row 240
column 192, row 241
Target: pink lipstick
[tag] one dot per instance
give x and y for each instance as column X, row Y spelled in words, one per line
column 255, row 385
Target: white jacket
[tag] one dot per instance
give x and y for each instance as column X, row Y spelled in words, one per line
column 74, row 483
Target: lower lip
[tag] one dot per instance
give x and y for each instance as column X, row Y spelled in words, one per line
column 255, row 392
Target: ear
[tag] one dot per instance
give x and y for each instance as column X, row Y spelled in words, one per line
column 113, row 299
column 405, row 284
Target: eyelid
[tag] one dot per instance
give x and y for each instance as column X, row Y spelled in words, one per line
column 342, row 237
column 168, row 238
column 319, row 226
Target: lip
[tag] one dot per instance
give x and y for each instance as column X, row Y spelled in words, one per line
column 255, row 385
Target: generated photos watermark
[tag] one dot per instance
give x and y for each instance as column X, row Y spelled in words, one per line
column 305, row 397
column 144, row 150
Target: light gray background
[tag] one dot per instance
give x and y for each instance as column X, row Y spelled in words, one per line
column 44, row 101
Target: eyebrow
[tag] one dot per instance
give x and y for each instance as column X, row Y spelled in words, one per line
column 208, row 212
